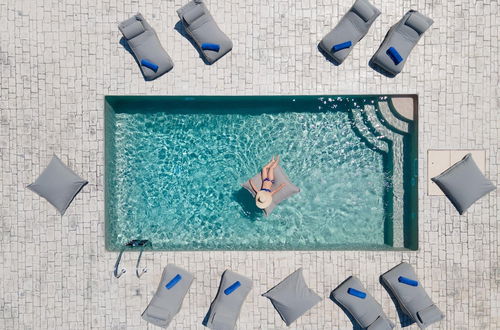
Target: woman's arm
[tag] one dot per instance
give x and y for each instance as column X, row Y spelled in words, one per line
column 253, row 187
column 279, row 188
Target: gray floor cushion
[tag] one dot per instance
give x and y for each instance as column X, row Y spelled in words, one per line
column 58, row 184
column 143, row 41
column 292, row 298
column 207, row 35
column 279, row 177
column 167, row 301
column 399, row 42
column 402, row 283
column 352, row 296
column 339, row 42
column 464, row 184
column 225, row 308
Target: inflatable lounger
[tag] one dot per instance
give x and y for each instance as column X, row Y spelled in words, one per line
column 339, row 42
column 392, row 54
column 167, row 301
column 352, row 297
column 279, row 177
column 401, row 282
column 225, row 308
column 153, row 60
column 207, row 35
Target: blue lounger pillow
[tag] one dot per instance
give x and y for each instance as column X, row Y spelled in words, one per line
column 407, row 281
column 356, row 293
column 230, row 289
column 150, row 65
column 209, row 46
column 394, row 55
column 173, row 281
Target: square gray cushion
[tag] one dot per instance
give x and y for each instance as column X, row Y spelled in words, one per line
column 413, row 299
column 366, row 311
column 463, row 183
column 279, row 177
column 292, row 298
column 226, row 307
column 167, row 302
column 403, row 36
column 352, row 27
column 201, row 26
column 58, row 184
column 144, row 43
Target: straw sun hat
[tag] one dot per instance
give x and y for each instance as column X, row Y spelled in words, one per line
column 263, row 199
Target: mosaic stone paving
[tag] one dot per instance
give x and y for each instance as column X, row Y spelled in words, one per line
column 59, row 58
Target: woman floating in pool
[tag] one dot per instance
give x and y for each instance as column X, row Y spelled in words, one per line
column 264, row 196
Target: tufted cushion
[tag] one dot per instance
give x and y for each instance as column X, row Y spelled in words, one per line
column 463, row 183
column 292, row 298
column 58, row 184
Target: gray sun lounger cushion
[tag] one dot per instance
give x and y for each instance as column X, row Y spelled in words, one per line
column 58, row 184
column 401, row 282
column 201, row 27
column 279, row 177
column 292, row 298
column 167, row 301
column 142, row 39
column 353, row 297
column 464, row 184
column 225, row 308
column 392, row 54
column 339, row 42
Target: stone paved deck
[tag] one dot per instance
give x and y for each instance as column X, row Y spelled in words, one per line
column 59, row 58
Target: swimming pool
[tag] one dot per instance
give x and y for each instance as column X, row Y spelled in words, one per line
column 174, row 166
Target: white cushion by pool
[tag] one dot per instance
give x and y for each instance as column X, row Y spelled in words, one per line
column 279, row 177
column 292, row 298
column 463, row 183
column 58, row 184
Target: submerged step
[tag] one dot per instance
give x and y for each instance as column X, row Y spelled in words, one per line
column 389, row 119
column 366, row 134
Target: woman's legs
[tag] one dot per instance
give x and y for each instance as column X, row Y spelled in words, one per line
column 265, row 169
column 270, row 172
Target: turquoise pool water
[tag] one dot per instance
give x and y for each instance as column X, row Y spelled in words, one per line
column 174, row 166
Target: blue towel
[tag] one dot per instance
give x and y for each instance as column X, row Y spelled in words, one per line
column 341, row 46
column 232, row 287
column 173, row 282
column 208, row 46
column 356, row 293
column 407, row 281
column 150, row 65
column 394, row 55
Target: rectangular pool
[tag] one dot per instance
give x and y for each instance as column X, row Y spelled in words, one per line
column 175, row 164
